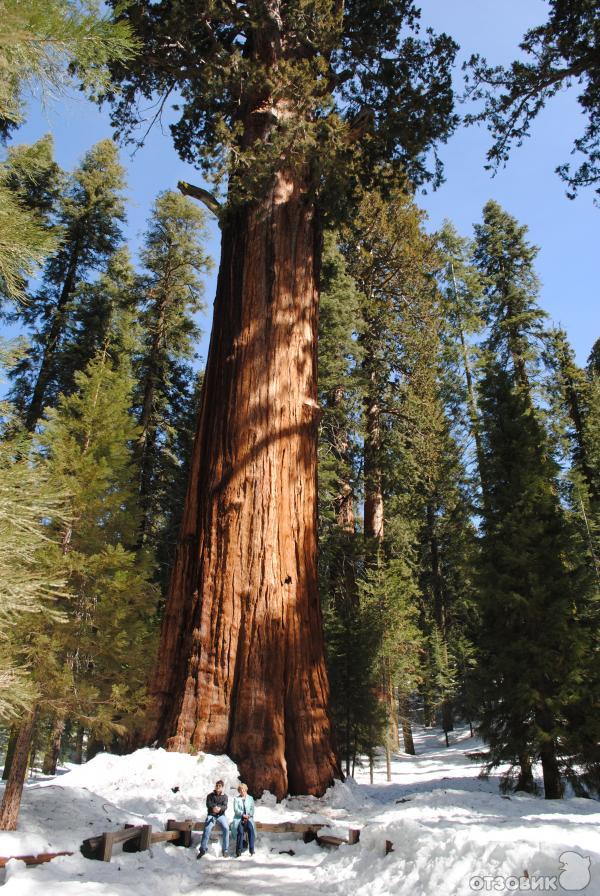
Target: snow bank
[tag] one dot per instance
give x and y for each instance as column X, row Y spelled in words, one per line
column 451, row 831
column 153, row 783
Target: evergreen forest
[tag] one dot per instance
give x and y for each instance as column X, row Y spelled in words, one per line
column 376, row 502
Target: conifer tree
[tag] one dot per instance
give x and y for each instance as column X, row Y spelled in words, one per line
column 97, row 319
column 299, row 107
column 88, row 442
column 393, row 263
column 32, row 581
column 350, row 640
column 29, row 184
column 170, row 294
column 462, row 290
column 534, row 589
column 90, row 214
column 31, row 578
column 89, row 660
column 40, row 45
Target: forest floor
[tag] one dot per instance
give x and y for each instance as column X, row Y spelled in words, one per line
column 452, row 831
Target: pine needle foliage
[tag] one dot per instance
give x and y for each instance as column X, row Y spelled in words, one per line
column 101, row 663
column 42, row 42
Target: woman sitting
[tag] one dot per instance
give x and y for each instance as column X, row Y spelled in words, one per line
column 243, row 820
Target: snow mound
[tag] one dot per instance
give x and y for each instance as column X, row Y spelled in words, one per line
column 154, row 783
column 347, row 795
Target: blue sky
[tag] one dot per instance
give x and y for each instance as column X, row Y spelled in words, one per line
column 566, row 231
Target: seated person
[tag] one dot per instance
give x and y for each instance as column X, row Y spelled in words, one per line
column 216, row 803
column 243, row 819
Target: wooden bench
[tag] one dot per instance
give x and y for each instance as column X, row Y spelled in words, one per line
column 179, row 833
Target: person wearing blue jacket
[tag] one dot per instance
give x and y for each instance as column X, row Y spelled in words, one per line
column 243, row 820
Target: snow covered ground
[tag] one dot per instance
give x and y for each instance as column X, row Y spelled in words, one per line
column 452, row 832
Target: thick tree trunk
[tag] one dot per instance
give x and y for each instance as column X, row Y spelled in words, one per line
column 11, row 802
column 553, row 789
column 53, row 749
column 241, row 662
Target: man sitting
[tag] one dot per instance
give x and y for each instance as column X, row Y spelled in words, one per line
column 216, row 803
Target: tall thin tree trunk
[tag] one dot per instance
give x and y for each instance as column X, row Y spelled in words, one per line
column 439, row 605
column 146, row 444
column 53, row 749
column 407, row 735
column 373, row 514
column 11, row 802
column 241, row 662
column 36, row 405
column 79, row 744
column 525, row 780
column 10, row 750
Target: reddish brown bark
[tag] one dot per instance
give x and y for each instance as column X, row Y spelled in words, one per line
column 241, row 663
column 11, row 802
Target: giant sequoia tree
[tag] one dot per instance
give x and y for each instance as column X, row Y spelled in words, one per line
column 293, row 104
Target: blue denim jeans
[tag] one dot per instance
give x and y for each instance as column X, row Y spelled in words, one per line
column 208, row 826
column 245, row 826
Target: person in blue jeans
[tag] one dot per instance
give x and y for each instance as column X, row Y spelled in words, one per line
column 243, row 820
column 216, row 803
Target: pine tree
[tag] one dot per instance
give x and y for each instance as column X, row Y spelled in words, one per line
column 98, row 316
column 91, row 212
column 393, row 263
column 40, row 44
column 29, row 184
column 104, row 651
column 350, row 644
column 297, row 106
column 31, row 578
column 462, row 290
column 534, row 589
column 573, row 414
column 170, row 293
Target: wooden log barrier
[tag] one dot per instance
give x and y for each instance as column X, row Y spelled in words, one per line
column 101, row 847
column 136, row 838
column 38, row 859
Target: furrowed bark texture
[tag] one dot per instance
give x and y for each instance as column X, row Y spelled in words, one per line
column 241, row 663
column 11, row 801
